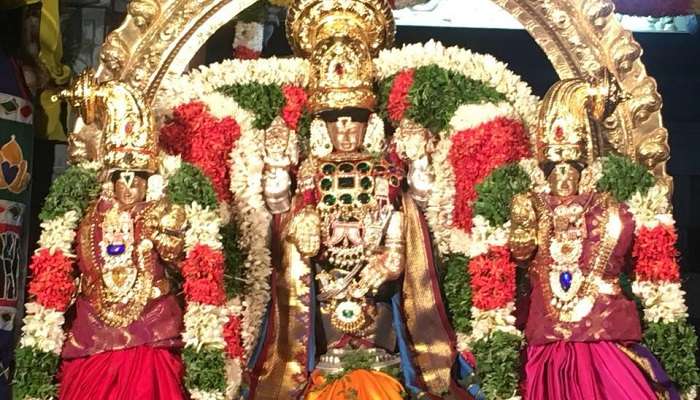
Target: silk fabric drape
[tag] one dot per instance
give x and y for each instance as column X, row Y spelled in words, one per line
column 583, row 371
column 143, row 373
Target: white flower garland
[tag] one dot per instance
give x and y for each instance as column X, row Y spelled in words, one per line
column 469, row 116
column 486, row 322
column 249, row 209
column 204, row 395
column 59, row 234
column 204, row 226
column 652, row 209
column 254, row 220
column 43, row 328
column 481, row 238
column 204, row 325
column 662, row 301
column 201, row 83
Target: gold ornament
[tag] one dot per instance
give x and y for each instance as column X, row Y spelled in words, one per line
column 305, row 232
column 567, row 114
column 129, row 139
column 320, row 141
column 340, row 38
column 374, row 137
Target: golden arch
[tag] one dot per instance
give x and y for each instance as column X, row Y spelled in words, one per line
column 580, row 37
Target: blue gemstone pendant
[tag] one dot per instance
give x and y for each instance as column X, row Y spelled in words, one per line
column 565, row 279
column 116, row 249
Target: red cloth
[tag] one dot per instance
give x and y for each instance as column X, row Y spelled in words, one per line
column 583, row 371
column 138, row 373
column 614, row 317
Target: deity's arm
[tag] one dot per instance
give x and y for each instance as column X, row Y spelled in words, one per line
column 165, row 225
column 523, row 229
column 276, row 184
column 394, row 245
column 387, row 262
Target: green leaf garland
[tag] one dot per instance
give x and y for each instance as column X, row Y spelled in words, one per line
column 72, row 191
column 304, row 132
column 496, row 192
column 674, row 345
column 205, row 369
column 34, row 374
column 383, row 91
column 458, row 293
column 189, row 184
column 623, row 177
column 498, row 364
column 264, row 101
column 234, row 260
column 437, row 93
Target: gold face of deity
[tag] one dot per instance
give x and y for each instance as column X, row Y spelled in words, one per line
column 129, row 188
column 564, row 180
column 346, row 135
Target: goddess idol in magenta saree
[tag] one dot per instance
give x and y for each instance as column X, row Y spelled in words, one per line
column 583, row 332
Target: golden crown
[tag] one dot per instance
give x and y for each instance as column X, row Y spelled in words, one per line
column 128, row 139
column 568, row 110
column 340, row 38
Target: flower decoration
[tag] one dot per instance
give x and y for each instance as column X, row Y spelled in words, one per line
column 203, row 140
column 43, row 328
column 52, row 284
column 295, row 103
column 398, row 101
column 475, row 153
column 58, row 234
column 203, row 270
column 492, row 279
column 655, row 254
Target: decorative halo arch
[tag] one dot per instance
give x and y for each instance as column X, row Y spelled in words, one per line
column 580, row 37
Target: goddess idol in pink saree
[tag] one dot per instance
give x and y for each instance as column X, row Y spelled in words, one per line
column 583, row 332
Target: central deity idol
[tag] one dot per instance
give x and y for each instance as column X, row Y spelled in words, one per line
column 357, row 310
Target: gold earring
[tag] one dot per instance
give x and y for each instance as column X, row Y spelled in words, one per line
column 320, row 140
column 374, row 138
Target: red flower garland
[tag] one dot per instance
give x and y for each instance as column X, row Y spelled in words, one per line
column 52, row 282
column 656, row 255
column 398, row 101
column 203, row 140
column 492, row 279
column 232, row 337
column 657, row 8
column 294, row 105
column 475, row 153
column 203, row 271
column 245, row 53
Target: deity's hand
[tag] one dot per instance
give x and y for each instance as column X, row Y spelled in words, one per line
column 385, row 266
column 164, row 225
column 420, row 181
column 276, row 184
column 523, row 229
column 305, row 232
